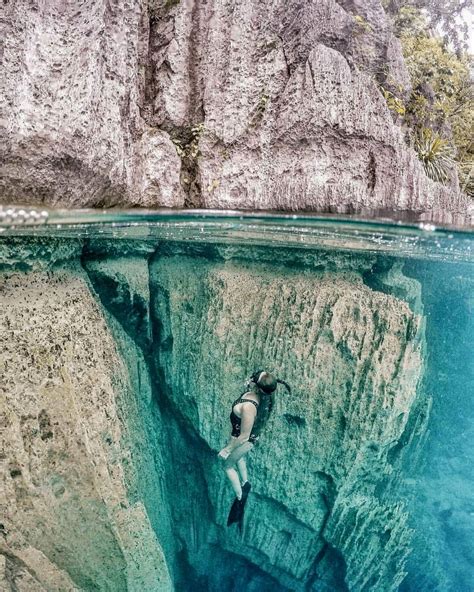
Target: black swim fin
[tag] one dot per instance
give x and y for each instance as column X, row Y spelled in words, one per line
column 245, row 494
column 236, row 512
column 245, row 491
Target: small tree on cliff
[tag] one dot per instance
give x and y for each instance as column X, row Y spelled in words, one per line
column 440, row 15
column 439, row 113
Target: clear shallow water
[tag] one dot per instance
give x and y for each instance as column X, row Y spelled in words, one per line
column 402, row 238
column 386, row 500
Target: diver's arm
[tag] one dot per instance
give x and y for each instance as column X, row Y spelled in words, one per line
column 247, row 420
column 249, row 412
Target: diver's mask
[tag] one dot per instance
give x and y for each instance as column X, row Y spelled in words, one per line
column 266, row 389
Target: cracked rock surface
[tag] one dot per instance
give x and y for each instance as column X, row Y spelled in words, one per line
column 68, row 521
column 74, row 136
column 266, row 105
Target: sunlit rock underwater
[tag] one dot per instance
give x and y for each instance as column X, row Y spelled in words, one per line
column 126, row 337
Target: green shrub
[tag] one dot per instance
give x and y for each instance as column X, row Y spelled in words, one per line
column 439, row 113
column 435, row 154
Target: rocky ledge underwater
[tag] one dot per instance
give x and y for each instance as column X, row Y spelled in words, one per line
column 122, row 350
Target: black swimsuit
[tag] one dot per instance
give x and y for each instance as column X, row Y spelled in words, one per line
column 236, row 421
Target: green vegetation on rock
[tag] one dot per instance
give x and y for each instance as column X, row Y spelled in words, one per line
column 443, row 15
column 439, row 111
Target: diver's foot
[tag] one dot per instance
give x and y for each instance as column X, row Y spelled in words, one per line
column 245, row 491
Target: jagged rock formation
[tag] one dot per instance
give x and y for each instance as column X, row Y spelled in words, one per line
column 227, row 105
column 149, row 410
column 73, row 80
column 69, row 517
column 317, row 476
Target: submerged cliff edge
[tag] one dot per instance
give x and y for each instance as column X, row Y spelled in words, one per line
column 120, row 363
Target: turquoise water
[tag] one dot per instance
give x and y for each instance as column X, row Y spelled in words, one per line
column 363, row 478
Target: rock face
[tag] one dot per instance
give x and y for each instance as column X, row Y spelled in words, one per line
column 268, row 105
column 68, row 519
column 74, row 135
column 291, row 115
column 318, row 474
column 119, row 362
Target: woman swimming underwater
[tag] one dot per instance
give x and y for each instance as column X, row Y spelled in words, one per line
column 249, row 414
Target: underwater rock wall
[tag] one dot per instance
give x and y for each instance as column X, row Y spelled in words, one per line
column 120, row 278
column 112, row 427
column 319, row 515
column 69, row 521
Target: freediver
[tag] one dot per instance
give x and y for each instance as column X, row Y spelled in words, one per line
column 250, row 412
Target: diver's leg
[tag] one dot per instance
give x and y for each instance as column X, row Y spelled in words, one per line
column 230, row 466
column 238, row 453
column 234, row 479
column 242, row 467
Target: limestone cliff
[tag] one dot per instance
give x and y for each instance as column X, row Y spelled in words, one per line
column 112, row 428
column 214, row 104
column 352, row 357
column 69, row 517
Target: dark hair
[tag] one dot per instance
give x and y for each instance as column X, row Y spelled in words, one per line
column 267, row 383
